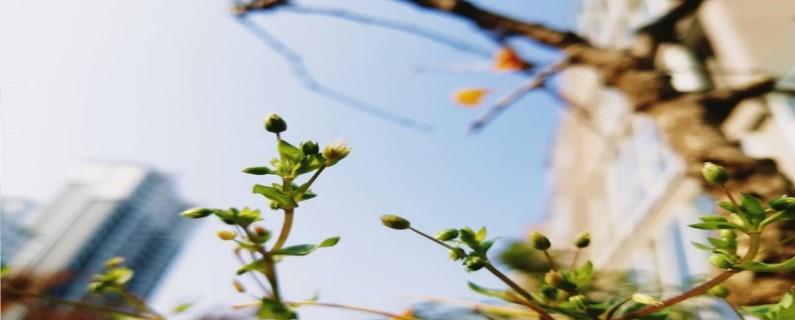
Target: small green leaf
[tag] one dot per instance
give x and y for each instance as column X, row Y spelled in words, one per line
column 496, row 293
column 784, row 266
column 752, row 207
column 728, row 206
column 275, row 310
column 258, row 171
column 305, row 249
column 255, row 265
column 714, row 225
column 481, row 234
column 182, row 308
column 276, row 195
column 701, row 246
column 712, row 218
column 330, row 242
column 290, row 152
column 582, row 275
column 723, row 244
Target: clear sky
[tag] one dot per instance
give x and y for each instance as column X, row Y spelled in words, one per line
column 182, row 86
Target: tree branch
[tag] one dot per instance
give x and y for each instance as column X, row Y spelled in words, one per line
column 301, row 72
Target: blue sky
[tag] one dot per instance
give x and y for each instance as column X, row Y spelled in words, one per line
column 182, row 86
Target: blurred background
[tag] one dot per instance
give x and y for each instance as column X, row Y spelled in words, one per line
column 117, row 115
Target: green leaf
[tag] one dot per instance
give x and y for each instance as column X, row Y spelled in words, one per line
column 290, row 152
column 275, row 310
column 728, row 206
column 255, row 265
column 714, row 225
column 182, row 308
column 481, row 234
column 783, row 310
column 752, row 207
column 784, row 266
column 276, row 195
column 496, row 293
column 712, row 218
column 701, row 246
column 582, row 276
column 723, row 244
column 305, row 249
column 258, row 171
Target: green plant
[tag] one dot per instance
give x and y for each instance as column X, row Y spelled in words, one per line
column 565, row 292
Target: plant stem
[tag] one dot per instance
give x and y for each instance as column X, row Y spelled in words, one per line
column 77, row 304
column 139, row 303
column 574, row 259
column 269, row 268
column 354, row 308
column 253, row 275
column 531, row 303
column 551, row 262
column 441, row 243
column 285, row 232
column 753, row 249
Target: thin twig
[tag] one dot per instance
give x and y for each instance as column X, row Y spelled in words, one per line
column 396, row 25
column 77, row 304
column 300, row 71
column 535, row 82
column 332, row 305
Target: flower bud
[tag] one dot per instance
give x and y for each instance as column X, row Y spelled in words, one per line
column 714, row 174
column 720, row 261
column 539, row 241
column 728, row 235
column 310, row 147
column 196, row 213
column 260, row 231
column 395, row 222
column 274, row 123
column 554, row 278
column 646, row 299
column 474, row 263
column 582, row 240
column 447, row 234
column 336, row 151
column 114, row 262
column 783, row 203
column 226, row 234
column 578, row 301
column 238, row 286
column 549, row 292
column 719, row 291
column 457, row 254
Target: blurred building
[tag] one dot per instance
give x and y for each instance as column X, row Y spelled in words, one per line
column 13, row 232
column 107, row 210
column 619, row 180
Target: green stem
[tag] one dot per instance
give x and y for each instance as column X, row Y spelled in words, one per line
column 750, row 254
column 269, row 269
column 531, row 303
column 551, row 261
column 441, row 243
column 574, row 259
column 77, row 304
column 285, row 232
column 139, row 303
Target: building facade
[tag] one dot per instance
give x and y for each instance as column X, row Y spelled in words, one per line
column 106, row 210
column 621, row 182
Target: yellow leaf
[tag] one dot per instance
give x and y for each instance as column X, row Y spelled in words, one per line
column 506, row 60
column 469, row 97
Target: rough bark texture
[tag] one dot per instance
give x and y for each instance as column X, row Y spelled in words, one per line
column 689, row 122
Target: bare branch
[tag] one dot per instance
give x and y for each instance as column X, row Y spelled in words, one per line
column 662, row 28
column 301, row 72
column 535, row 82
column 396, row 25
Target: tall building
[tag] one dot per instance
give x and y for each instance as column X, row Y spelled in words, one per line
column 13, row 233
column 106, row 210
column 625, row 185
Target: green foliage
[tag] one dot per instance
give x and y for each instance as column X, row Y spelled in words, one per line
column 783, row 310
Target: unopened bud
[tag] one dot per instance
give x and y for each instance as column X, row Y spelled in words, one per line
column 720, row 261
column 239, row 286
column 259, row 171
column 554, row 278
column 336, row 151
column 457, row 254
column 582, row 240
column 226, row 234
column 578, row 301
column 310, row 147
column 474, row 263
column 714, row 173
column 728, row 235
column 196, row 213
column 783, row 203
column 539, row 241
column 719, row 291
column 274, row 123
column 260, row 231
column 114, row 262
column 395, row 222
column 447, row 234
